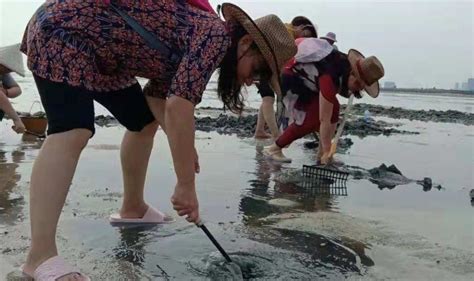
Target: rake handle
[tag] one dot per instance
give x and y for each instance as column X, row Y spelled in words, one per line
column 213, row 240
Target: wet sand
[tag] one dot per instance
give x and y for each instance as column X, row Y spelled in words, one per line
column 275, row 230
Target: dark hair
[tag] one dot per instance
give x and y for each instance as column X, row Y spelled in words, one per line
column 228, row 88
column 337, row 65
column 300, row 20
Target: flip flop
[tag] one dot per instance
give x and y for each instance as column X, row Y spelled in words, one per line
column 274, row 155
column 53, row 269
column 152, row 216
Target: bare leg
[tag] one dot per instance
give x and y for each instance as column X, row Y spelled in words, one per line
column 51, row 177
column 135, row 154
column 269, row 115
column 260, row 127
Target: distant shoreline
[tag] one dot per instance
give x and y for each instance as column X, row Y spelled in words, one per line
column 427, row 91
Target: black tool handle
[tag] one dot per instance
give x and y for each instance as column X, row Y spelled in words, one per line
column 214, row 241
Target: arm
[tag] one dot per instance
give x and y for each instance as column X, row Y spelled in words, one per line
column 179, row 123
column 13, row 89
column 158, row 107
column 13, row 92
column 7, row 107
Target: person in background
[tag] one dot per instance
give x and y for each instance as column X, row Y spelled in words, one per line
column 300, row 27
column 331, row 38
column 86, row 51
column 316, row 75
column 11, row 60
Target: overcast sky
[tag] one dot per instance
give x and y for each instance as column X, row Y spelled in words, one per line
column 420, row 43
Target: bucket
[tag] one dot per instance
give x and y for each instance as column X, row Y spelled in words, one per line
column 35, row 125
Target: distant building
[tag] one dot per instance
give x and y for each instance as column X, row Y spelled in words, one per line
column 456, row 86
column 470, row 84
column 464, row 86
column 389, row 85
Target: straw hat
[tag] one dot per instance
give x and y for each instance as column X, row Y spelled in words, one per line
column 330, row 36
column 271, row 37
column 11, row 58
column 369, row 70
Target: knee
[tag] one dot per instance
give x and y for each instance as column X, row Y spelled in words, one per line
column 149, row 130
column 268, row 101
column 74, row 140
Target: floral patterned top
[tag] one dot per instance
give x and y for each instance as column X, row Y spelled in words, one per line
column 86, row 44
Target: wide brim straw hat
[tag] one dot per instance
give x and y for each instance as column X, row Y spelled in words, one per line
column 11, row 58
column 369, row 70
column 271, row 37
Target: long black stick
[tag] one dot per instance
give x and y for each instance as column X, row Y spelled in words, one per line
column 214, row 241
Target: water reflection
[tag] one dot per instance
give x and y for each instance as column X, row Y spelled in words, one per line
column 272, row 181
column 31, row 142
column 132, row 248
column 132, row 244
column 11, row 204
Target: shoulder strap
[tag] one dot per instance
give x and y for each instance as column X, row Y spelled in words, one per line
column 150, row 39
column 304, row 75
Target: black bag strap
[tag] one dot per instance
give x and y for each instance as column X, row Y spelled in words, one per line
column 150, row 39
column 305, row 76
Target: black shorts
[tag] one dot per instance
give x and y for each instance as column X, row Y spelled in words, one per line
column 69, row 107
column 265, row 90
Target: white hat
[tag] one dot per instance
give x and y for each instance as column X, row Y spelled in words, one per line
column 11, row 58
column 330, row 36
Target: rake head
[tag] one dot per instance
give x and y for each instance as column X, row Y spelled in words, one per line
column 323, row 175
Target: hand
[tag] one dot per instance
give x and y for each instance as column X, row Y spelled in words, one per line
column 326, row 158
column 185, row 202
column 18, row 126
column 197, row 167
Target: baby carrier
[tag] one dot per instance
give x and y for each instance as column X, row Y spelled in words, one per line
column 300, row 79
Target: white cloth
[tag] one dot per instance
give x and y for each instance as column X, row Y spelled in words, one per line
column 11, row 57
column 312, row 50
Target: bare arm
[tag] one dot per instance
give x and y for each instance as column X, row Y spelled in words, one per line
column 6, row 106
column 179, row 124
column 13, row 92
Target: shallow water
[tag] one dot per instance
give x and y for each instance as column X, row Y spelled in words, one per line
column 415, row 101
column 273, row 229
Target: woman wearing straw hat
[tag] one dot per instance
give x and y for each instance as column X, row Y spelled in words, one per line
column 81, row 51
column 316, row 75
column 300, row 27
column 10, row 61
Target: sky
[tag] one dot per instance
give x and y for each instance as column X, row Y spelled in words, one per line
column 420, row 43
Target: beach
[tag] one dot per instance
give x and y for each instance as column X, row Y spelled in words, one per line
column 274, row 228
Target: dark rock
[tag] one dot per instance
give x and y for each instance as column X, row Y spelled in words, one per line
column 311, row 144
column 427, row 184
column 106, row 121
column 449, row 116
column 395, row 170
column 387, row 177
